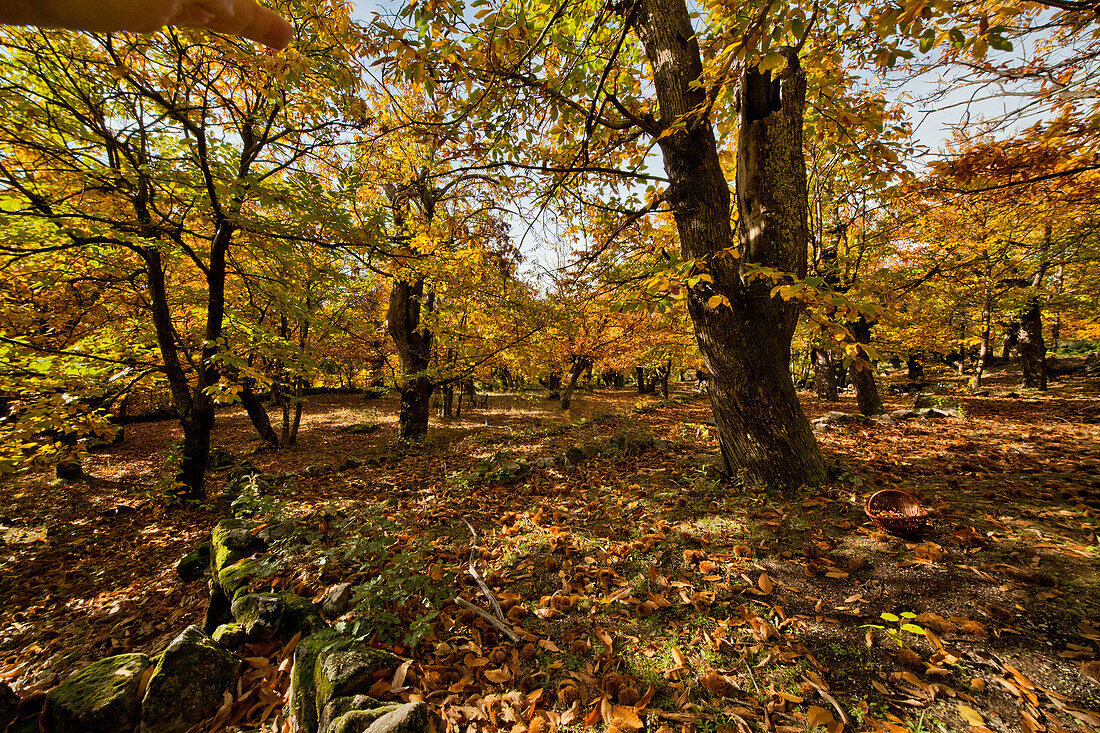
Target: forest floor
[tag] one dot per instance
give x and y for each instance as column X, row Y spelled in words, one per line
column 646, row 591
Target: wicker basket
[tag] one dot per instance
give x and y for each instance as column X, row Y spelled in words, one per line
column 896, row 512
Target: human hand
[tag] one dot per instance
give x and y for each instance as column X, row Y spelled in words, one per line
column 244, row 18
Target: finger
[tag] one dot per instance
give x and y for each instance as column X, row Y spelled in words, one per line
column 244, row 18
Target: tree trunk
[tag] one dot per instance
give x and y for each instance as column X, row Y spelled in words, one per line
column 664, row 373
column 763, row 433
column 1032, row 348
column 824, row 376
column 639, row 376
column 259, row 417
column 863, row 379
column 987, row 319
column 914, row 368
column 414, row 350
column 580, row 364
column 448, row 401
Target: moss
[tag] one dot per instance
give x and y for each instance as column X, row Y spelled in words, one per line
column 303, row 690
column 358, row 721
column 340, row 673
column 236, row 577
column 340, row 706
column 187, row 684
column 221, row 555
column 102, row 696
column 299, row 614
column 230, row 635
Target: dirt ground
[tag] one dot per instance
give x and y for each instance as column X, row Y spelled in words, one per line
column 649, row 591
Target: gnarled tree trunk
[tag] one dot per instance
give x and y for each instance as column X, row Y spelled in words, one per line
column 580, row 365
column 763, row 433
column 414, row 352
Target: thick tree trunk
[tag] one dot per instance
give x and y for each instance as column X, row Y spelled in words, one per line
column 580, row 365
column 863, row 379
column 914, row 368
column 639, row 377
column 1032, row 348
column 414, row 351
column 763, row 433
column 824, row 376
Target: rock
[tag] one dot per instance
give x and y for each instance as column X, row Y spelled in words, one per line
column 231, row 541
column 302, row 697
column 9, row 705
column 349, row 463
column 590, row 450
column 336, row 600
column 271, row 533
column 342, row 673
column 299, row 615
column 835, row 416
column 193, row 565
column 188, row 683
column 545, row 462
column 260, row 615
column 512, row 471
column 660, row 444
column 408, row 718
column 339, row 707
column 903, row 414
column 884, row 419
column 230, row 635
column 575, row 456
column 821, row 427
column 100, row 697
column 234, row 579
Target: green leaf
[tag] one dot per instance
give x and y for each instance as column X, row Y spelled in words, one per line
column 912, row 629
column 772, row 61
column 889, row 617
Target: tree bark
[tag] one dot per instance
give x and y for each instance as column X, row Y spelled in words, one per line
column 639, row 376
column 763, row 433
column 414, row 351
column 824, row 375
column 863, row 379
column 987, row 322
column 580, row 364
column 1030, row 344
column 257, row 414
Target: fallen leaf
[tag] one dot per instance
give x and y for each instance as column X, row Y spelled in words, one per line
column 970, row 715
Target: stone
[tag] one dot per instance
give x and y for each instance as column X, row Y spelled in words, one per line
column 193, row 565
column 884, row 419
column 231, row 541
column 336, row 600
column 340, row 673
column 188, row 683
column 234, row 580
column 903, row 414
column 512, row 471
column 339, row 707
column 575, row 455
column 408, row 718
column 230, row 635
column 9, row 705
column 260, row 615
column 269, row 534
column 835, row 416
column 590, row 450
column 545, row 462
column 302, row 697
column 349, row 463
column 100, row 697
column 299, row 615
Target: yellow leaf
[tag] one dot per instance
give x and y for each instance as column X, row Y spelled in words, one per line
column 765, row 584
column 818, row 716
column 970, row 715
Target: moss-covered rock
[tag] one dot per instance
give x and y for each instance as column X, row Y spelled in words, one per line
column 338, row 707
column 230, row 635
column 411, row 717
column 358, row 721
column 299, row 615
column 234, row 580
column 341, row 673
column 100, row 697
column 259, row 614
column 303, row 691
column 231, row 541
column 188, row 683
column 193, row 565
